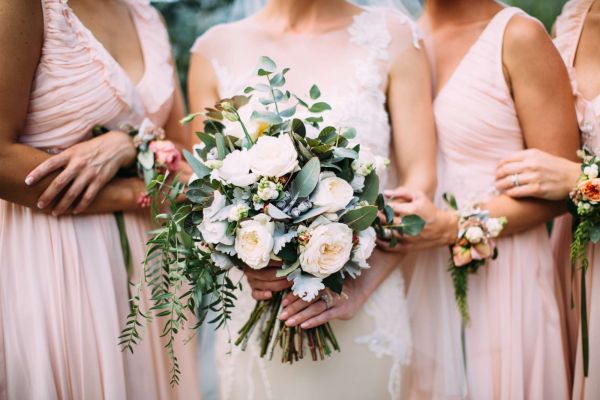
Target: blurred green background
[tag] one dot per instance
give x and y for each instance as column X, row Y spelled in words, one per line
column 187, row 19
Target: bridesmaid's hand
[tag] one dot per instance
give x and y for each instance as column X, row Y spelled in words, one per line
column 86, row 168
column 317, row 312
column 440, row 228
column 265, row 281
column 537, row 174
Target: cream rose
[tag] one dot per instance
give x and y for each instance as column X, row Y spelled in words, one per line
column 273, row 156
column 327, row 251
column 235, row 170
column 214, row 231
column 366, row 245
column 254, row 241
column 333, row 193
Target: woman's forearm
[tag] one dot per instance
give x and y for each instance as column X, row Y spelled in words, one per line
column 523, row 214
column 382, row 264
column 17, row 160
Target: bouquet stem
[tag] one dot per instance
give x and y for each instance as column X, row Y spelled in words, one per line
column 321, row 340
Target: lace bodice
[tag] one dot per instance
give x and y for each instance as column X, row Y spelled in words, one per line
column 351, row 67
column 353, row 78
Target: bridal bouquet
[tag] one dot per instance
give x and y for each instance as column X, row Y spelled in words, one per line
column 585, row 207
column 270, row 188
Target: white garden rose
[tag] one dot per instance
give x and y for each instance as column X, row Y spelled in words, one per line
column 327, row 251
column 368, row 162
column 333, row 193
column 494, row 226
column 366, row 245
column 474, row 234
column 214, row 231
column 273, row 156
column 238, row 211
column 254, row 241
column 235, row 170
column 591, row 171
column 268, row 190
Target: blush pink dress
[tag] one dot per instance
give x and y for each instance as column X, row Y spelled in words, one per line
column 63, row 283
column 568, row 31
column 513, row 344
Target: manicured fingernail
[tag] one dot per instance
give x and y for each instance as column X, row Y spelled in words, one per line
column 305, row 326
column 283, row 315
column 290, row 322
column 41, row 204
column 29, row 180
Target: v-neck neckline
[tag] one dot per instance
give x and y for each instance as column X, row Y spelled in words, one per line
column 595, row 99
column 463, row 60
column 134, row 19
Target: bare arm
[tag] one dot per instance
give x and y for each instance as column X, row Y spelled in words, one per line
column 202, row 90
column 413, row 126
column 540, row 86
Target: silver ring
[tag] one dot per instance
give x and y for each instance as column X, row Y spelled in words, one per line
column 326, row 298
column 515, row 180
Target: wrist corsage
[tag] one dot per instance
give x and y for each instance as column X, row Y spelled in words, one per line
column 156, row 158
column 584, row 205
column 473, row 247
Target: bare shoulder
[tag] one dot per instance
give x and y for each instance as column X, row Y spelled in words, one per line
column 219, row 37
column 526, row 34
column 21, row 28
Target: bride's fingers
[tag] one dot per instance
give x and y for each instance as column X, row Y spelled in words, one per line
column 261, row 295
column 313, row 310
column 294, row 308
column 289, row 299
column 271, row 286
column 45, row 168
column 320, row 319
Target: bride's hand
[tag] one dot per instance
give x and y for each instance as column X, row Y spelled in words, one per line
column 440, row 228
column 265, row 281
column 317, row 312
column 86, row 168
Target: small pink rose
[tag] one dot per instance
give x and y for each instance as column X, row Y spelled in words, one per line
column 482, row 250
column 166, row 154
column 461, row 256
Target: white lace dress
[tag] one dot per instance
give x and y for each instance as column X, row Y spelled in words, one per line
column 351, row 67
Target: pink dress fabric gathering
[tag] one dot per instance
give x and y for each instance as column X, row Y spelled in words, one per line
column 63, row 282
column 569, row 27
column 513, row 342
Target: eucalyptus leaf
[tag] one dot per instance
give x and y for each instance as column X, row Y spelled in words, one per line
column 451, row 201
column 266, row 65
column 298, row 127
column 370, row 189
column 261, row 87
column 207, row 139
column 343, row 152
column 413, row 225
column 361, row 218
column 277, row 80
column 349, row 133
column 315, row 93
column 199, row 169
column 319, row 107
column 306, row 180
column 288, row 112
column 266, row 116
column 221, row 149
